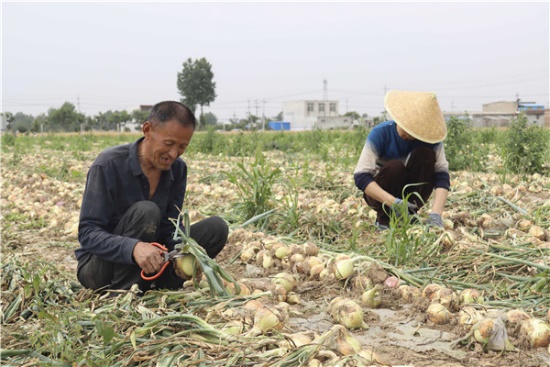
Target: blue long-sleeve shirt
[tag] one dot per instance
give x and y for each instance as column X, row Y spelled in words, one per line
column 383, row 144
column 115, row 182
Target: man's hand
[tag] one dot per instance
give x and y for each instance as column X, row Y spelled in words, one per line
column 435, row 220
column 148, row 257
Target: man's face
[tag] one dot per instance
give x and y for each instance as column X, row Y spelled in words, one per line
column 165, row 142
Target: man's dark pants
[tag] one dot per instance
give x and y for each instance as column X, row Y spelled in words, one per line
column 141, row 222
column 395, row 175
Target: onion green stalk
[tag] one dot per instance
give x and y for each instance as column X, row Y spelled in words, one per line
column 214, row 273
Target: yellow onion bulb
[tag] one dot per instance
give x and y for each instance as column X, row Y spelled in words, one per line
column 247, row 255
column 267, row 319
column 468, row 315
column 187, row 264
column 469, row 296
column 293, row 299
column 346, row 312
column 372, row 358
column 430, row 291
column 372, row 297
column 409, row 292
column 253, row 305
column 313, row 260
column 310, row 249
column 281, row 251
column 279, row 293
column 438, row 314
column 315, row 271
column 295, row 258
column 492, row 334
column 288, row 281
column 362, row 282
column 346, row 343
column 516, row 316
column 243, row 289
column 233, row 327
column 295, row 340
column 343, row 269
column 483, row 330
column 447, row 297
column 537, row 332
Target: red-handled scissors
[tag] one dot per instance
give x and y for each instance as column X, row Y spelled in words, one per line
column 167, row 257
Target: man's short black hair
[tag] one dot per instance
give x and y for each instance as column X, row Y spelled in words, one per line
column 170, row 110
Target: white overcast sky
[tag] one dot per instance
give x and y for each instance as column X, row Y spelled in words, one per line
column 112, row 56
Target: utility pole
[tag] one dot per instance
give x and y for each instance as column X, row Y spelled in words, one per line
column 263, row 114
column 256, row 105
column 78, row 106
column 325, row 90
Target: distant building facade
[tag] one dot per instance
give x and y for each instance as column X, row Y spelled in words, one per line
column 315, row 114
column 324, row 114
column 501, row 114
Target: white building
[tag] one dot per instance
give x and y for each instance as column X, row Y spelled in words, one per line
column 314, row 114
column 501, row 114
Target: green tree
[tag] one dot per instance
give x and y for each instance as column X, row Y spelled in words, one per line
column 354, row 115
column 90, row 123
column 210, row 118
column 139, row 117
column 8, row 118
column 39, row 122
column 21, row 122
column 120, row 118
column 196, row 85
column 111, row 120
column 65, row 118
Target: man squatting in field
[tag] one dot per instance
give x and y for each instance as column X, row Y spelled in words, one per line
column 403, row 151
column 131, row 192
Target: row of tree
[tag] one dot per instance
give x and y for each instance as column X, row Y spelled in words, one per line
column 68, row 119
column 195, row 84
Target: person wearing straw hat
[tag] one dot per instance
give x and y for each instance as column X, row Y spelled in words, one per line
column 404, row 158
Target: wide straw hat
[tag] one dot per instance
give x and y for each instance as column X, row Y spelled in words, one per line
column 417, row 113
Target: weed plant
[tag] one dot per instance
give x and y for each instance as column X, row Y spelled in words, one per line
column 487, row 136
column 290, row 216
column 525, row 147
column 406, row 241
column 461, row 149
column 254, row 183
column 8, row 140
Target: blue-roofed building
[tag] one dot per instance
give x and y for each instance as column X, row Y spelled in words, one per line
column 530, row 106
column 279, row 125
